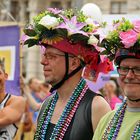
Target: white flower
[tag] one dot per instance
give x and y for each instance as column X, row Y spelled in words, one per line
column 92, row 40
column 89, row 21
column 49, row 22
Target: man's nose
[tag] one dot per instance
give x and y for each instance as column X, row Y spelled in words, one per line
column 130, row 74
column 44, row 61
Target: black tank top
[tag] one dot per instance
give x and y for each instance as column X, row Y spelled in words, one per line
column 80, row 127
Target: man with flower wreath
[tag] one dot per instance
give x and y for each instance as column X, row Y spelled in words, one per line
column 123, row 45
column 68, row 45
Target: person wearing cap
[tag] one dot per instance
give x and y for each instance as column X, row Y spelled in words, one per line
column 122, row 45
column 68, row 45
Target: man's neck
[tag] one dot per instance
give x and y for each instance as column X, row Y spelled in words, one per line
column 133, row 104
column 2, row 95
column 66, row 90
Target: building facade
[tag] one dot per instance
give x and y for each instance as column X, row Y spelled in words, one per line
column 22, row 11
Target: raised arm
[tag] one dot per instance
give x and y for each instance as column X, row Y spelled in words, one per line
column 27, row 93
column 13, row 111
column 32, row 102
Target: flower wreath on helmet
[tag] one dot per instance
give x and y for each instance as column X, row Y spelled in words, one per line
column 123, row 41
column 71, row 32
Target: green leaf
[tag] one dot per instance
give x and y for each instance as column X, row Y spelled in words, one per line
column 78, row 37
column 41, row 28
column 31, row 42
column 105, row 52
column 30, row 32
column 111, row 57
column 62, row 32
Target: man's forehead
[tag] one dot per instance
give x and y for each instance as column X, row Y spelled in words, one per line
column 130, row 61
column 52, row 49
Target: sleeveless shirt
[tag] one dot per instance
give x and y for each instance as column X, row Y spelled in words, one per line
column 8, row 132
column 80, row 127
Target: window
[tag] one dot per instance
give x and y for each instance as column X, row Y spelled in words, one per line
column 15, row 9
column 118, row 7
column 26, row 11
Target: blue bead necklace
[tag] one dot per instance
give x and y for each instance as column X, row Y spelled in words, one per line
column 112, row 130
column 66, row 117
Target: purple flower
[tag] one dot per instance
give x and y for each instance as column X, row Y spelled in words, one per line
column 24, row 38
column 54, row 10
column 128, row 38
column 73, row 26
column 136, row 24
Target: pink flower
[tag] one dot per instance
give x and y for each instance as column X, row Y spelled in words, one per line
column 54, row 10
column 23, row 39
column 73, row 26
column 136, row 24
column 128, row 38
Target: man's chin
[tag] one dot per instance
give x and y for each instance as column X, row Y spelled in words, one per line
column 49, row 81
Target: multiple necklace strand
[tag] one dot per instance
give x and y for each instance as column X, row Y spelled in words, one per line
column 112, row 130
column 66, row 117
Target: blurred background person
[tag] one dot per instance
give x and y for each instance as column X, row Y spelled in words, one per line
column 35, row 89
column 45, row 90
column 29, row 91
column 111, row 95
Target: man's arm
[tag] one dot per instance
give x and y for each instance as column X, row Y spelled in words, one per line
column 99, row 108
column 13, row 111
column 32, row 102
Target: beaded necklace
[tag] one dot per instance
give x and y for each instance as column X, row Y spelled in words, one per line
column 66, row 117
column 112, row 130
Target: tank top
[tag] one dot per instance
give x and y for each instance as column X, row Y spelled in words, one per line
column 8, row 132
column 80, row 127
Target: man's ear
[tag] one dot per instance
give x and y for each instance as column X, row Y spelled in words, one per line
column 74, row 63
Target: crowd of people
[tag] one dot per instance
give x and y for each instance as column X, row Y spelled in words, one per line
column 63, row 107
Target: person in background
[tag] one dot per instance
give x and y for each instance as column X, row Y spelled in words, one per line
column 110, row 89
column 68, row 45
column 45, row 90
column 26, row 127
column 11, row 108
column 123, row 123
column 35, row 90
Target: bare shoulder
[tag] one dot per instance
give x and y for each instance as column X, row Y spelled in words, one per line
column 18, row 97
column 19, row 100
column 100, row 103
column 99, row 108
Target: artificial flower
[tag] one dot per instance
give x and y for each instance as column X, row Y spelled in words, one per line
column 137, row 25
column 92, row 40
column 49, row 22
column 73, row 26
column 124, row 35
column 54, row 10
column 128, row 38
column 90, row 21
column 53, row 25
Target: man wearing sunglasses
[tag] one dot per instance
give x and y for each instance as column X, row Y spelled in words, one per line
column 124, row 123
